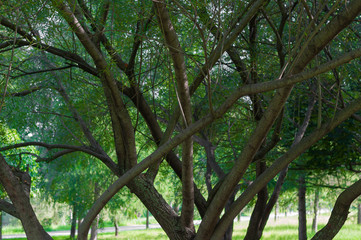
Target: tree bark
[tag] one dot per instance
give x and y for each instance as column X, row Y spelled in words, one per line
column 14, row 188
column 147, row 220
column 359, row 213
column 253, row 231
column 302, row 222
column 9, row 208
column 315, row 210
column 229, row 233
column 94, row 228
column 167, row 217
column 281, row 163
column 177, row 56
column 282, row 176
column 317, row 43
column 339, row 213
column 73, row 222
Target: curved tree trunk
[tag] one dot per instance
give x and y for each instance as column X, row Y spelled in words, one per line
column 339, row 213
column 15, row 189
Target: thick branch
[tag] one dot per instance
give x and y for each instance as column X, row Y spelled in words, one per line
column 25, row 92
column 109, row 162
column 34, row 43
column 21, row 202
column 282, row 176
column 340, row 212
column 122, row 124
column 281, row 163
column 8, row 208
column 176, row 52
column 315, row 45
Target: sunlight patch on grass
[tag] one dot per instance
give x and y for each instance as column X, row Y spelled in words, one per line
column 136, row 235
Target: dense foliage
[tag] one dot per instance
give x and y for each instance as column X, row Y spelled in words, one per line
column 194, row 106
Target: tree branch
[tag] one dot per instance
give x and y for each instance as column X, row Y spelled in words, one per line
column 8, row 208
column 314, row 46
column 339, row 213
column 177, row 56
column 282, row 162
column 84, row 149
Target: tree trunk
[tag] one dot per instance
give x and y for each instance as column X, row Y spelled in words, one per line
column 229, row 232
column 359, row 213
column 94, row 228
column 1, row 225
column 15, row 189
column 339, row 213
column 315, row 210
column 253, row 230
column 276, row 210
column 147, row 220
column 115, row 227
column 73, row 222
column 302, row 227
column 79, row 222
column 158, row 207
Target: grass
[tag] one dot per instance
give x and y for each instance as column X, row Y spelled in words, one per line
column 282, row 229
column 129, row 222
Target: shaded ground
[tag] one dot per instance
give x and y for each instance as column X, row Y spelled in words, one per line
column 102, row 230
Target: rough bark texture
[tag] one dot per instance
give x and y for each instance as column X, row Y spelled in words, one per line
column 8, row 208
column 165, row 215
column 339, row 213
column 302, row 224
column 21, row 201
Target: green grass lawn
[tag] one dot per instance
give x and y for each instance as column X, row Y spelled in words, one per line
column 282, row 229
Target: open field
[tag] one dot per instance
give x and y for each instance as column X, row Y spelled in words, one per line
column 284, row 228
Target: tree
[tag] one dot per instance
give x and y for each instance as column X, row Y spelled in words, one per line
column 108, row 78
